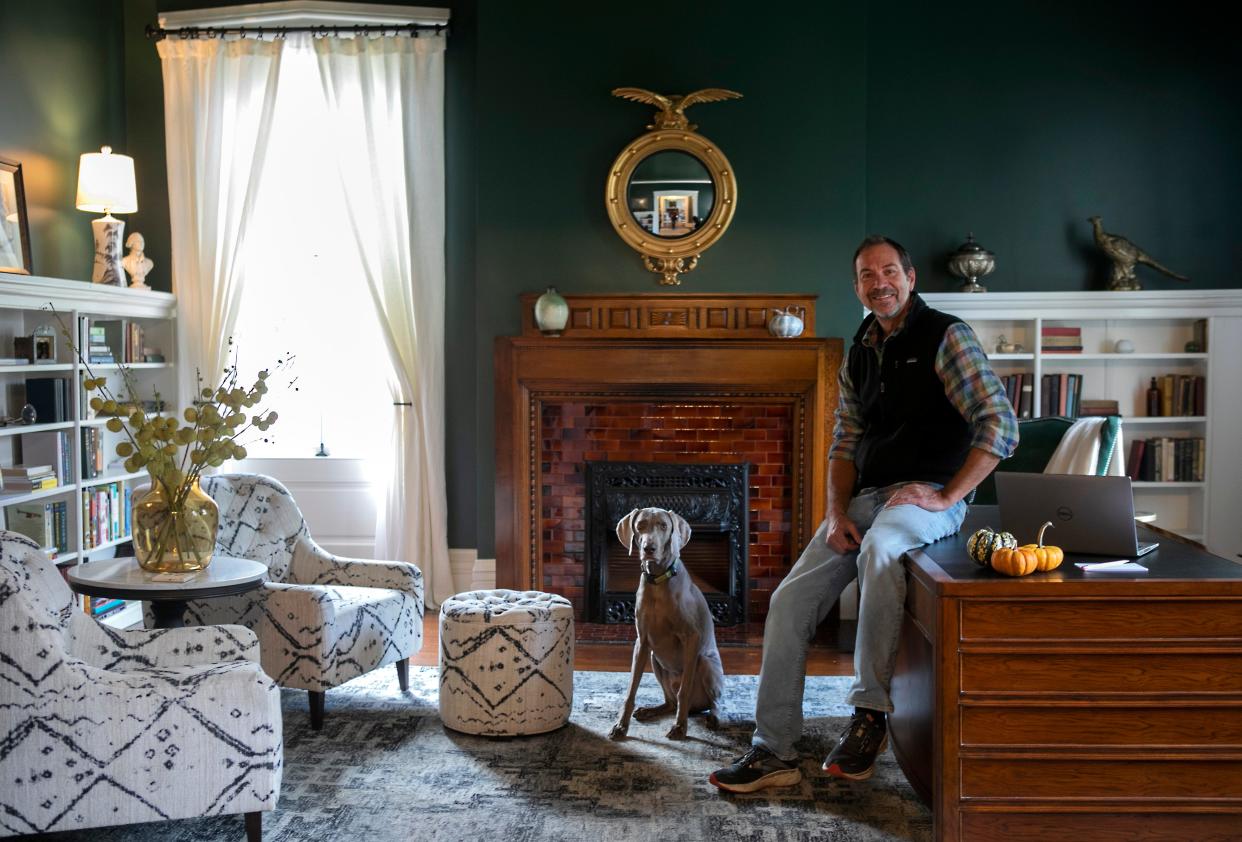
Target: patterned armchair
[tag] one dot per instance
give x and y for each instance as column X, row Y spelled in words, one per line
column 106, row 727
column 321, row 619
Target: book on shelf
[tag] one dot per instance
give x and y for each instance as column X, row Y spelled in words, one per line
column 107, row 514
column 121, row 338
column 14, row 361
column 28, row 471
column 92, row 452
column 50, row 447
column 1027, row 397
column 1167, row 459
column 28, row 478
column 1199, row 334
column 50, row 398
column 1060, row 340
column 44, row 523
column 1090, row 407
column 1182, row 394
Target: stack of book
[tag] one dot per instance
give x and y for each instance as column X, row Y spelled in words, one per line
column 1099, row 406
column 1167, row 459
column 29, row 477
column 98, row 349
column 1060, row 340
column 115, row 341
column 100, row 607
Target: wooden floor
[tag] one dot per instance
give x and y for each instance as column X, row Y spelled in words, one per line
column 616, row 657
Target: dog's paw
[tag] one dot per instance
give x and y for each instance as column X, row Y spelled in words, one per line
column 649, row 712
column 677, row 732
column 712, row 721
column 618, row 731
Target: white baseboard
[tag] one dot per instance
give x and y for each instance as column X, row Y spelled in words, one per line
column 484, row 574
column 471, row 573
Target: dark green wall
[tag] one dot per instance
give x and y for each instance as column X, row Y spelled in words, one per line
column 1014, row 121
column 1017, row 121
column 62, row 95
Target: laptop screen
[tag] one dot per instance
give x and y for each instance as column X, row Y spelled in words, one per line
column 1089, row 514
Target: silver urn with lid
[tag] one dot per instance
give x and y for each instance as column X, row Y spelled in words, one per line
column 971, row 262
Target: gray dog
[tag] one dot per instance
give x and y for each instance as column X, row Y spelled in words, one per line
column 675, row 628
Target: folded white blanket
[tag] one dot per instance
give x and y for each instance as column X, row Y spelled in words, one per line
column 1079, row 450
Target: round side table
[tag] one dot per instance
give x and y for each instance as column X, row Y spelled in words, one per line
column 168, row 593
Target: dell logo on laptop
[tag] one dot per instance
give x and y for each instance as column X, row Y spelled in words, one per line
column 1065, row 513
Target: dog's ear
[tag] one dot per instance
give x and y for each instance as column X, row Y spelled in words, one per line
column 681, row 531
column 625, row 531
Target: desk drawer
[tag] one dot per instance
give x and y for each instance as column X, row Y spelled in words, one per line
column 1102, row 619
column 1076, row 778
column 1117, row 825
column 1182, row 673
column 1060, row 725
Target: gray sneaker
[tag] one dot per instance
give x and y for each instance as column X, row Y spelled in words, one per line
column 756, row 769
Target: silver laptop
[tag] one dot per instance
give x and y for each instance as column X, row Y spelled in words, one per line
column 1093, row 515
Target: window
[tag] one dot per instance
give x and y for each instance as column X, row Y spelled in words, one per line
column 303, row 293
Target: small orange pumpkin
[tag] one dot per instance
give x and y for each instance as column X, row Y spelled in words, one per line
column 1014, row 561
column 1046, row 557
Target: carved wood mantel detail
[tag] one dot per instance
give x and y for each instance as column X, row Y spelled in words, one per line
column 673, row 315
column 533, row 371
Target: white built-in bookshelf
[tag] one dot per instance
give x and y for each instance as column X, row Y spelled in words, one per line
column 75, row 503
column 1158, row 325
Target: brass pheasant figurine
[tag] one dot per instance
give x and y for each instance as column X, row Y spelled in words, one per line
column 672, row 113
column 1125, row 255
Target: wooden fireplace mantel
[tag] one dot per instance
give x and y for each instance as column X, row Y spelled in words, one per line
column 533, row 371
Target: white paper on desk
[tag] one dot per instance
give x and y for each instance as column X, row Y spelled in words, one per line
column 1110, row 567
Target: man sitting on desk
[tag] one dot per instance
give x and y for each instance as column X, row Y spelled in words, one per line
column 920, row 422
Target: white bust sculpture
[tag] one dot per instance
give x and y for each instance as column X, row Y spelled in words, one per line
column 137, row 264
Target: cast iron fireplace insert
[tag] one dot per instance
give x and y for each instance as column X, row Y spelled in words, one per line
column 713, row 500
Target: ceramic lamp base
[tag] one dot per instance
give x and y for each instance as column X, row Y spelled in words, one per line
column 108, row 232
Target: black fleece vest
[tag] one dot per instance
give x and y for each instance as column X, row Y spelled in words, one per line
column 911, row 432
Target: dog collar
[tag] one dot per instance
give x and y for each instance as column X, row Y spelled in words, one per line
column 663, row 577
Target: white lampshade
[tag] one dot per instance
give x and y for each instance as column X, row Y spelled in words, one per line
column 106, row 183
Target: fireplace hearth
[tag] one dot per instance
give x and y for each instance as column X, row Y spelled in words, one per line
column 712, row 499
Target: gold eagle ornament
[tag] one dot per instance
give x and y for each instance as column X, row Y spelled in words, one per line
column 672, row 113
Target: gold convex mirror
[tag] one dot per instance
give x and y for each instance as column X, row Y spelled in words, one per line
column 671, row 193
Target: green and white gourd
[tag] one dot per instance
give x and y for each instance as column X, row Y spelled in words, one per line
column 981, row 544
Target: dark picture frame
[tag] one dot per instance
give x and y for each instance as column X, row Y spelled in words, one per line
column 14, row 223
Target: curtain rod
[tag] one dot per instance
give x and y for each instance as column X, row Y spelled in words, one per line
column 157, row 33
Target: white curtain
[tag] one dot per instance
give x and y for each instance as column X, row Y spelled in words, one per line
column 219, row 97
column 386, row 97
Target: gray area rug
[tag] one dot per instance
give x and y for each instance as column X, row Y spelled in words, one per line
column 384, row 769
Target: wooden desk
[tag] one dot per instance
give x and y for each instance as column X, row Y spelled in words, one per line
column 1074, row 706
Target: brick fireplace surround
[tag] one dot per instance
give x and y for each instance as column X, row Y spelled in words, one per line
column 627, row 382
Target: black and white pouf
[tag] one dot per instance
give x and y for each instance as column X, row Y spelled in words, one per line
column 506, row 662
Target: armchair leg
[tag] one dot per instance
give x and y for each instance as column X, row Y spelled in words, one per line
column 254, row 827
column 403, row 674
column 316, row 709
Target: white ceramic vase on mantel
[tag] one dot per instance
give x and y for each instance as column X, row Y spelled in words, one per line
column 551, row 313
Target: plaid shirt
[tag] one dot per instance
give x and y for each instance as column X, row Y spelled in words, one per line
column 969, row 384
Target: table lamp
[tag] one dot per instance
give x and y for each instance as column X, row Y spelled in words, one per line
column 106, row 184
